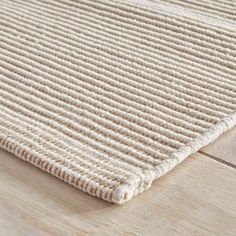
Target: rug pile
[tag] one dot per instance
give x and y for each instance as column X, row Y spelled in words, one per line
column 110, row 95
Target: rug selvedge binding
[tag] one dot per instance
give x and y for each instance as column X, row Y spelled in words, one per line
column 132, row 186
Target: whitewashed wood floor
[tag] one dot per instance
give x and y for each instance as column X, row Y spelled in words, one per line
column 197, row 198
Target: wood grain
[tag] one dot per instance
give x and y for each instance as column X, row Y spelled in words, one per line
column 196, row 198
column 223, row 148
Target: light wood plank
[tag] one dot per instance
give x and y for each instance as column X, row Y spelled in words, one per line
column 224, row 147
column 196, row 198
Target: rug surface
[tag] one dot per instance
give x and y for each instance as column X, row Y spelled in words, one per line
column 110, row 95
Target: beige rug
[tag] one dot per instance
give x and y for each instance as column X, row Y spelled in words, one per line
column 110, row 95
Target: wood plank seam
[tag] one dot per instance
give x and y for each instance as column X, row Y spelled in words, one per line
column 218, row 159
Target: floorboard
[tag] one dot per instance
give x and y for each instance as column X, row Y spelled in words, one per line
column 224, row 148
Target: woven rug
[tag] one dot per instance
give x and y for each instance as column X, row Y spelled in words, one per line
column 110, row 95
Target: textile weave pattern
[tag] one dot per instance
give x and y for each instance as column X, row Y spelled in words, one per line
column 110, row 95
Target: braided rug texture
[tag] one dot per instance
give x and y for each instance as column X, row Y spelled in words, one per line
column 110, row 95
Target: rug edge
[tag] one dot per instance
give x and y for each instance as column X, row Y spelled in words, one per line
column 134, row 185
column 124, row 192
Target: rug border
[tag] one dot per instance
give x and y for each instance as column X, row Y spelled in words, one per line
column 136, row 185
column 133, row 185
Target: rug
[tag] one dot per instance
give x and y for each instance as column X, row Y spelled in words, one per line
column 110, row 95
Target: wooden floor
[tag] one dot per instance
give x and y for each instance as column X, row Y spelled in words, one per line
column 197, row 198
